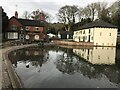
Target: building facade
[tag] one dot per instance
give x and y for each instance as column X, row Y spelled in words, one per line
column 98, row 32
column 25, row 30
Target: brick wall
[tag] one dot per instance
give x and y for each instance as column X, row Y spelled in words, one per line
column 32, row 29
column 13, row 21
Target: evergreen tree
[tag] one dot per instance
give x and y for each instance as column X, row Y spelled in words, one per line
column 4, row 23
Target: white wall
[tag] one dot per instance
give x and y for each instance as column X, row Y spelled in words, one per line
column 81, row 34
column 102, row 36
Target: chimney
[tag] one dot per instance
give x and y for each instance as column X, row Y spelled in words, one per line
column 42, row 16
column 16, row 14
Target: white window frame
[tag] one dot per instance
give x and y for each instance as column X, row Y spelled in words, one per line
column 12, row 35
column 27, row 37
column 26, row 28
column 14, row 27
column 36, row 28
column 36, row 37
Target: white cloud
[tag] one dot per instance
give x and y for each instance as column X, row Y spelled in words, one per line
column 50, row 6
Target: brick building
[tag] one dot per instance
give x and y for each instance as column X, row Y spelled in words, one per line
column 26, row 30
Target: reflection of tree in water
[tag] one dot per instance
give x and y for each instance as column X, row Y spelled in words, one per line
column 32, row 55
column 67, row 64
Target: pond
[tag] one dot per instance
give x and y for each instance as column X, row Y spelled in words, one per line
column 61, row 67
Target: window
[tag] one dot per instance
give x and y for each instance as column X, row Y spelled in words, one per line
column 103, row 44
column 84, row 32
column 76, row 32
column 14, row 27
column 109, row 34
column 91, row 38
column 100, row 33
column 36, row 37
column 36, row 28
column 98, row 57
column 89, row 31
column 81, row 32
column 27, row 28
column 102, row 47
column 27, row 53
column 83, row 38
column 12, row 35
column 27, row 37
column 36, row 53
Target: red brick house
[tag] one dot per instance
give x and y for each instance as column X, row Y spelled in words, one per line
column 26, row 30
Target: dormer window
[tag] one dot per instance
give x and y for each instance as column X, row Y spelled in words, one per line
column 36, row 28
column 26, row 28
column 14, row 27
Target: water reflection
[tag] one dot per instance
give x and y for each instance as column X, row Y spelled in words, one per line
column 30, row 56
column 102, row 63
column 63, row 67
column 97, row 55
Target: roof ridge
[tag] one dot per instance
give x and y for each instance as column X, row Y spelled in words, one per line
column 97, row 23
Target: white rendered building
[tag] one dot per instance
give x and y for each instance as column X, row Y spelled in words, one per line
column 98, row 32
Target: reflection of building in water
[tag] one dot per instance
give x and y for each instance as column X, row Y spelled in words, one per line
column 96, row 71
column 97, row 55
column 37, row 56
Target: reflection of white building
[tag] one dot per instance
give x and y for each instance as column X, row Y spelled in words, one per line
column 98, row 32
column 97, row 55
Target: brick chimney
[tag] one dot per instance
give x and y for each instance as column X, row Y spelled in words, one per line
column 42, row 16
column 16, row 14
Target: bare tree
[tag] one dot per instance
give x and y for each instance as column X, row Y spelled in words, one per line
column 37, row 15
column 67, row 15
column 26, row 15
column 49, row 18
column 101, row 7
column 86, row 12
column 80, row 13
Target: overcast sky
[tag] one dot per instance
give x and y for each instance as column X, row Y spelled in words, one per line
column 50, row 6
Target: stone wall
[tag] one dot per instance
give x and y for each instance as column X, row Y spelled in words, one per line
column 73, row 43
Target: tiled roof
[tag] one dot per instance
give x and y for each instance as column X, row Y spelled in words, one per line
column 66, row 32
column 28, row 22
column 97, row 23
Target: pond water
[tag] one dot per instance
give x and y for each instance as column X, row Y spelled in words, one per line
column 60, row 67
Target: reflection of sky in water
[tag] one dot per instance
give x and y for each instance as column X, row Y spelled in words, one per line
column 59, row 67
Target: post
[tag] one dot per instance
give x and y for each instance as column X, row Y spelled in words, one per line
column 22, row 35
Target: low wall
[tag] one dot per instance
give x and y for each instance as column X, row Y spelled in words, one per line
column 14, row 78
column 73, row 43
